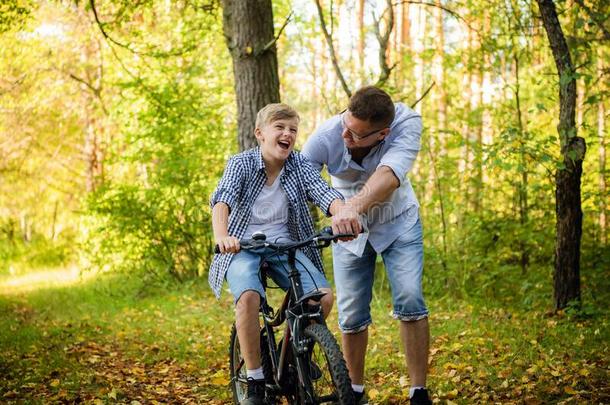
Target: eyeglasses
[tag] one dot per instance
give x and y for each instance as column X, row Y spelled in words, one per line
column 354, row 135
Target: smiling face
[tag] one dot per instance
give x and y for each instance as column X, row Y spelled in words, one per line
column 277, row 138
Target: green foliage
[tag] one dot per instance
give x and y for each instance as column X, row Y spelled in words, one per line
column 17, row 256
column 151, row 213
column 14, row 14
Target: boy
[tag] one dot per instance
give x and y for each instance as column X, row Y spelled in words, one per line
column 265, row 189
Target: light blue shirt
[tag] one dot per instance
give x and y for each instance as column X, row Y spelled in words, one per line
column 397, row 151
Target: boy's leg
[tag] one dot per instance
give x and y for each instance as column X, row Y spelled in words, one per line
column 311, row 278
column 354, row 282
column 246, row 288
column 248, row 328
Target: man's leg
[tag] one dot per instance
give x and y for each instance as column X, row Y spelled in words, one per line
column 354, row 280
column 404, row 264
column 415, row 340
column 354, row 351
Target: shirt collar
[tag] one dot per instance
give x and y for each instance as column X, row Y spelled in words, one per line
column 289, row 164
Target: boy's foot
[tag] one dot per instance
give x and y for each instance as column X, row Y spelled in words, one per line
column 361, row 398
column 420, row 397
column 256, row 393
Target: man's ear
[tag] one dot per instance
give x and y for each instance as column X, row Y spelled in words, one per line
column 383, row 133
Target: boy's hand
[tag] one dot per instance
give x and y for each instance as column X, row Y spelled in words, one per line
column 228, row 244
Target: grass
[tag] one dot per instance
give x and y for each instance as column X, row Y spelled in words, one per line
column 119, row 339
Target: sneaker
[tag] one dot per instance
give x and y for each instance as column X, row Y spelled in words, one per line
column 420, row 397
column 361, row 398
column 256, row 393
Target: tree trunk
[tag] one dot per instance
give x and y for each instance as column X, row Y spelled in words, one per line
column 248, row 30
column 601, row 113
column 567, row 179
column 523, row 185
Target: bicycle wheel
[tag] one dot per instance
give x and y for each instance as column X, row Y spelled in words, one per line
column 329, row 377
column 237, row 367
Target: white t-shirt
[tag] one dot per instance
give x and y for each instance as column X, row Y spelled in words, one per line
column 270, row 213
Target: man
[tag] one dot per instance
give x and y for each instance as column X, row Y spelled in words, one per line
column 368, row 149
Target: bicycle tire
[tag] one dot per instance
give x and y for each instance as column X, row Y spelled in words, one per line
column 333, row 385
column 238, row 369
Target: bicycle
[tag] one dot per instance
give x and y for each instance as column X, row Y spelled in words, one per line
column 306, row 365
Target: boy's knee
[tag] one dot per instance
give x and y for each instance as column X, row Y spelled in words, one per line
column 248, row 299
column 327, row 301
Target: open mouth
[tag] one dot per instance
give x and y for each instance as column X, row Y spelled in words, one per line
column 284, row 144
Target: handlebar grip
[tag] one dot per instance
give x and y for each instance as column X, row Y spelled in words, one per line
column 216, row 249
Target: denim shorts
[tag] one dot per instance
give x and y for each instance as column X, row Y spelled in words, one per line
column 243, row 272
column 403, row 260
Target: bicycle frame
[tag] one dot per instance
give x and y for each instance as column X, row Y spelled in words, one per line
column 296, row 311
column 288, row 365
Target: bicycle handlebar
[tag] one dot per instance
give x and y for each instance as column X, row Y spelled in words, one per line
column 321, row 239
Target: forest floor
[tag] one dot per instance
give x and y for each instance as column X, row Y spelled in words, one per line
column 69, row 338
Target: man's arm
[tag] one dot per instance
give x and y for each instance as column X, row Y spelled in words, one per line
column 378, row 188
column 220, row 227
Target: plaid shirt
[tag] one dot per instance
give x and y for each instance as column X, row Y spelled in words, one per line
column 242, row 182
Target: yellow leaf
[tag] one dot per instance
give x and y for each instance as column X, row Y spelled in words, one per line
column 98, row 402
column 584, row 372
column 403, row 381
column 112, row 394
column 569, row 390
column 220, row 378
column 373, row 393
column 55, row 383
column 555, row 373
column 452, row 394
column 504, row 384
column 456, row 346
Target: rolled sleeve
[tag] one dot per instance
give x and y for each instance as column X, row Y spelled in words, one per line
column 228, row 186
column 404, row 148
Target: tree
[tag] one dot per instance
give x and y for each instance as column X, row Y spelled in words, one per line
column 567, row 179
column 248, row 30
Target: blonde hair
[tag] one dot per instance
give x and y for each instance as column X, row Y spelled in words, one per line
column 273, row 112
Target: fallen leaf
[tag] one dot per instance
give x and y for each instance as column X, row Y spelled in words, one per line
column 373, row 393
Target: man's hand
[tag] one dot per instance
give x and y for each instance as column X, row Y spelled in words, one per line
column 228, row 244
column 346, row 220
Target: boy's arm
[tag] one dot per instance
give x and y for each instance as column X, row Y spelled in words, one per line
column 229, row 185
column 223, row 201
column 329, row 200
column 220, row 227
